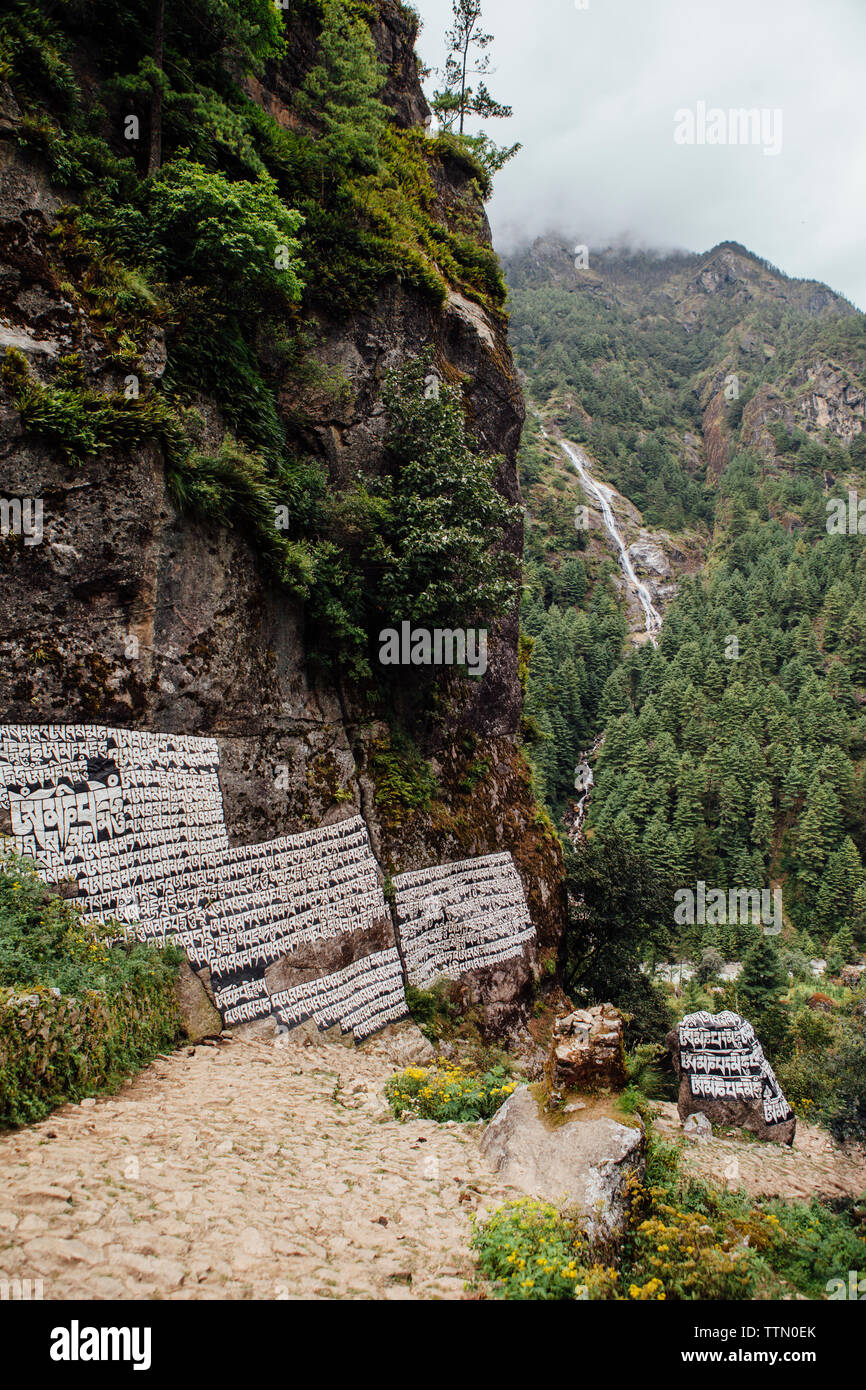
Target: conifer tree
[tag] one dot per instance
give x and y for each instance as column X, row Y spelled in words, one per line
column 841, row 950
column 762, row 825
column 811, row 851
column 761, row 984
column 843, row 875
column 458, row 100
column 342, row 93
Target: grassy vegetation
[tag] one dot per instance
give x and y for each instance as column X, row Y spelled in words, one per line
column 78, row 1012
column 685, row 1240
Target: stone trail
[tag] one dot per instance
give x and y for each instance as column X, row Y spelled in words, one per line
column 252, row 1169
column 813, row 1167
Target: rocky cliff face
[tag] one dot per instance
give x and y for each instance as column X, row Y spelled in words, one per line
column 131, row 614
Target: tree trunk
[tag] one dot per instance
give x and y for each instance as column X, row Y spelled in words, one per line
column 155, row 159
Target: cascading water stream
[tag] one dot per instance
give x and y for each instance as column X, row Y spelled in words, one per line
column 584, row 779
column 603, row 494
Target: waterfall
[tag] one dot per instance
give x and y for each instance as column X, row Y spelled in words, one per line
column 603, row 494
column 584, row 779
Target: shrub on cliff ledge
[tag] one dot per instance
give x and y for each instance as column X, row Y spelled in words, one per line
column 236, row 236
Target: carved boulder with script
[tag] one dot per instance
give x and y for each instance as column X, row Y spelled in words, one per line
column 724, row 1075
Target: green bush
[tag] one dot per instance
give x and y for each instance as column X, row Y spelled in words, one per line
column 432, row 1009
column 44, row 941
column 56, row 1048
column 530, row 1251
column 83, row 423
column 237, row 236
column 235, row 488
column 815, row 1245
column 684, row 1240
column 846, row 1068
column 448, row 1092
column 77, row 1011
column 404, row 781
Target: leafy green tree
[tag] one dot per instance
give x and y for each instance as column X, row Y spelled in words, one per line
column 436, row 556
column 244, row 33
column 853, row 640
column 572, row 579
column 825, row 803
column 846, row 1066
column 843, row 875
column 239, row 237
column 796, row 778
column 710, row 966
column 621, row 911
column 763, row 977
column 811, row 850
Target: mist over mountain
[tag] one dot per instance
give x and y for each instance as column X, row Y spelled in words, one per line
column 596, row 89
column 634, row 350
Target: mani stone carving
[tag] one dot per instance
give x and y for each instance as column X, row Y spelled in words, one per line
column 460, row 917
column 296, row 928
column 724, row 1075
column 133, row 821
column 587, row 1052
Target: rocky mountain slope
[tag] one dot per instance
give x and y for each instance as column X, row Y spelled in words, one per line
column 665, row 365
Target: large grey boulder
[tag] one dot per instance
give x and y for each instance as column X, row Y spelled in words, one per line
column 199, row 1017
column 583, row 1162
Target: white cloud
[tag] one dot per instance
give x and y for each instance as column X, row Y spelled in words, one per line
column 594, row 94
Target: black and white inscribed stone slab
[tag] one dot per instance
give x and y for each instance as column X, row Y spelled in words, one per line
column 723, row 1060
column 460, row 917
column 362, row 998
column 275, row 898
column 137, row 820
column 132, row 816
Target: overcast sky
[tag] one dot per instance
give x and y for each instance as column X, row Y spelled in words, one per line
column 596, row 92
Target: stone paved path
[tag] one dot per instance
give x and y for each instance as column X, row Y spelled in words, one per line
column 248, row 1170
column 813, row 1167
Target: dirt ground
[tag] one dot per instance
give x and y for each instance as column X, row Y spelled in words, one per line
column 813, row 1167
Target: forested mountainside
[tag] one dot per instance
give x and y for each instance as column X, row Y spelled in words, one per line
column 633, row 353
column 256, row 369
column 727, row 402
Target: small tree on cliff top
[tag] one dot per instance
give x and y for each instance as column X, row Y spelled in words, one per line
column 468, row 57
